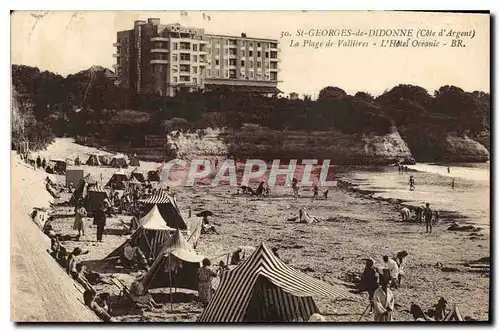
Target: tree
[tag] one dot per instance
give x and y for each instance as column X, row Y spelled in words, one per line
column 331, row 93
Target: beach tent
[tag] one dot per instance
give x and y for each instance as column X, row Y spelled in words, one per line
column 136, row 174
column 118, row 180
column 94, row 160
column 167, row 205
column 134, row 161
column 59, row 165
column 118, row 161
column 263, row 285
column 453, row 315
column 176, row 265
column 74, row 176
column 83, row 187
column 150, row 237
column 95, row 196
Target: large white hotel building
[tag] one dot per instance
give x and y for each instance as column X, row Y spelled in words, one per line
column 162, row 59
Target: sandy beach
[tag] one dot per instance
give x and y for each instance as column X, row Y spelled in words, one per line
column 353, row 227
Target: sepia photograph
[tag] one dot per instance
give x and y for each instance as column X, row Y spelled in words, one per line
column 225, row 167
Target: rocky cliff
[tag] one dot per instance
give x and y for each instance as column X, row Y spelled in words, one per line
column 264, row 143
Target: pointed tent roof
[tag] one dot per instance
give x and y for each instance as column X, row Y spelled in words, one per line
column 234, row 293
column 154, row 220
column 133, row 180
column 454, row 315
column 179, row 247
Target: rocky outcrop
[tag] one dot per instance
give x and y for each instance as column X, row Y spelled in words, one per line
column 464, row 149
column 264, row 143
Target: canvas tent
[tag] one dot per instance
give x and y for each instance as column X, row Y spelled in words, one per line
column 83, row 187
column 150, row 237
column 167, row 205
column 95, row 196
column 95, row 160
column 59, row 165
column 262, row 285
column 118, row 161
column 176, row 265
column 453, row 315
column 118, row 179
column 136, row 174
column 154, row 176
column 74, row 176
column 134, row 161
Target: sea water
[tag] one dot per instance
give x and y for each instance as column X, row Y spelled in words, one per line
column 470, row 197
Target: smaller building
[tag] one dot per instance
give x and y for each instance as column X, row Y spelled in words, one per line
column 294, row 95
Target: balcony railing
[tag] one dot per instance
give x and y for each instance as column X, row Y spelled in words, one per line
column 117, row 44
column 159, row 50
column 153, row 39
column 158, row 62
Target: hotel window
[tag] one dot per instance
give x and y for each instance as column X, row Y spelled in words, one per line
column 267, row 54
column 250, row 53
column 216, row 62
column 195, row 47
column 195, row 80
column 251, row 45
column 267, row 76
column 258, row 44
column 243, row 43
column 242, row 63
column 227, row 42
column 195, row 58
column 195, row 70
column 174, row 46
column 226, row 63
column 217, row 42
column 259, row 76
column 217, row 51
column 209, row 50
column 174, row 57
column 175, row 79
column 175, row 68
column 258, row 54
column 259, row 64
column 250, row 75
column 226, row 51
column 209, row 72
column 250, row 64
column 226, row 73
column 217, row 73
column 242, row 53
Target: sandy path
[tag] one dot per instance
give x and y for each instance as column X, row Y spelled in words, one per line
column 40, row 290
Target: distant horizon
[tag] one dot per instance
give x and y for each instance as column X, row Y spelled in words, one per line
column 66, row 42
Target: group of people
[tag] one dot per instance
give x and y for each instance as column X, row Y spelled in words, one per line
column 422, row 214
column 379, row 281
column 40, row 163
column 99, row 219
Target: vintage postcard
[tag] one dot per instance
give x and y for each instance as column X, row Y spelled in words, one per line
column 250, row 166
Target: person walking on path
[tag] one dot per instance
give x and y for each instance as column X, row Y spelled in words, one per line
column 428, row 218
column 100, row 221
column 383, row 301
column 412, row 183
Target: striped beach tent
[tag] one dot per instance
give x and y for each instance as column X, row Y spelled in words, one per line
column 167, row 205
column 95, row 196
column 453, row 315
column 176, row 265
column 264, row 289
column 150, row 237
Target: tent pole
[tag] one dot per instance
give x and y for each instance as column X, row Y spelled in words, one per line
column 170, row 277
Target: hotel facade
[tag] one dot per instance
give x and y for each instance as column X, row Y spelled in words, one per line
column 162, row 59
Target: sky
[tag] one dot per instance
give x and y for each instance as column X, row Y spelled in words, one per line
column 66, row 42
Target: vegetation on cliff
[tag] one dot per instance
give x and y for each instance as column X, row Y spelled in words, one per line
column 88, row 102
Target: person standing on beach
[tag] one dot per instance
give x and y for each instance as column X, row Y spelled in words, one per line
column 79, row 224
column 436, row 217
column 383, row 301
column 100, row 221
column 452, row 183
column 295, row 188
column 369, row 281
column 428, row 218
column 205, row 276
column 38, row 162
column 315, row 192
column 44, row 163
column 412, row 183
column 392, row 266
column 401, row 261
column 448, row 169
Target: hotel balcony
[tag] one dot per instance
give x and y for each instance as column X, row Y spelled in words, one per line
column 159, row 50
column 116, row 55
column 160, row 39
column 158, row 62
column 117, row 44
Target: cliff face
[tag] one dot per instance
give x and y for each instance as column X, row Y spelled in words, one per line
column 263, row 143
column 464, row 149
